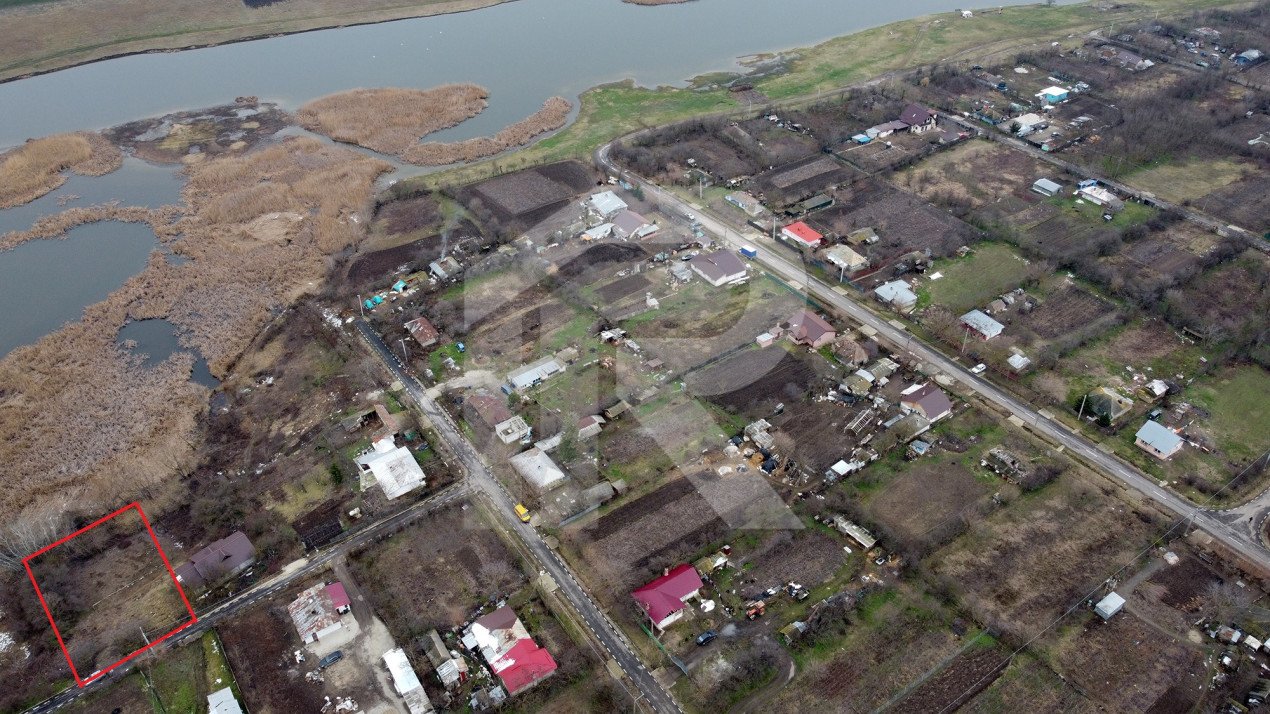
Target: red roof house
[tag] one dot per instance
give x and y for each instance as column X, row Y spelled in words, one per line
column 511, row 653
column 808, row 328
column 802, row 234
column 663, row 599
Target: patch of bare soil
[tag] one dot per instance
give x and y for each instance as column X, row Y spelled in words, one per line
column 259, row 646
column 198, row 134
column 1129, row 665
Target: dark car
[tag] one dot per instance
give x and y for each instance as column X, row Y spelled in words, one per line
column 330, row 659
column 706, row 637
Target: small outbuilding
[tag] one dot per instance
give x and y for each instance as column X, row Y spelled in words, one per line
column 978, row 323
column 1045, row 187
column 606, row 203
column 1109, row 606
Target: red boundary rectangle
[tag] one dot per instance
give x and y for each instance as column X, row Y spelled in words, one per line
column 26, row 562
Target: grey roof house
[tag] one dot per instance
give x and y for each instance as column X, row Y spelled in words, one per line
column 1158, row 440
column 228, row 556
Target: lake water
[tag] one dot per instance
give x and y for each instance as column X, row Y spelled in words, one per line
column 523, row 52
column 46, row 283
column 156, row 339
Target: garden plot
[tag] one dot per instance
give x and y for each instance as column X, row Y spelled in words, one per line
column 1069, row 311
column 800, row 179
column 928, row 502
column 1028, row 685
column 814, row 433
column 987, row 178
column 753, row 382
column 529, row 196
column 779, row 144
column 882, row 154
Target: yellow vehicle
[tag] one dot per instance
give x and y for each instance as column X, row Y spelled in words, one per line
column 523, row 513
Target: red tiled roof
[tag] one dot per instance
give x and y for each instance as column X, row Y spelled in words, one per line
column 529, row 663
column 804, row 232
column 339, row 596
column 664, row 596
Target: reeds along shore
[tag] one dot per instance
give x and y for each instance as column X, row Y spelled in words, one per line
column 35, row 168
column 390, row 120
column 552, row 116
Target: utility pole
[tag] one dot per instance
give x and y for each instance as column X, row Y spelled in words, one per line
column 1081, row 414
column 361, row 306
column 404, row 352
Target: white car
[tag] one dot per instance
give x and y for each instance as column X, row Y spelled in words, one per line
column 979, row 368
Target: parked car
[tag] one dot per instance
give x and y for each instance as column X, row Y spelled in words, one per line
column 979, row 368
column 706, row 638
column 330, row 659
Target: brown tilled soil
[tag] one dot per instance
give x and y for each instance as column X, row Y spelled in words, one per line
column 1066, row 311
column 963, row 678
column 626, row 286
column 925, row 496
column 259, row 646
column 750, row 385
column 903, row 221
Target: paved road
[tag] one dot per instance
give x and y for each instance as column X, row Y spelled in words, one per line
column 270, row 587
column 482, row 478
column 773, row 257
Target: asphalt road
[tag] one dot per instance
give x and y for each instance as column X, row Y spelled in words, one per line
column 773, row 258
column 480, row 477
column 268, row 588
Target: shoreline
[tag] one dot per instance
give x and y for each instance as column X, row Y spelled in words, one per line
column 385, row 16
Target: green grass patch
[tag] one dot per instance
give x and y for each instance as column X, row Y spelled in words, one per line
column 436, row 359
column 973, row 281
column 178, row 681
column 1187, row 180
column 1236, row 401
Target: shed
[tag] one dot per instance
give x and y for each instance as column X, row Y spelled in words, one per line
column 1045, row 187
column 1052, row 95
column 222, row 701
column 513, row 429
column 815, row 203
column 1109, row 606
column 600, row 232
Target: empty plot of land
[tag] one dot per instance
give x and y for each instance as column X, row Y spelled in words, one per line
column 1059, row 543
column 435, row 573
column 260, row 646
column 992, row 269
column 924, row 498
column 903, row 221
column 619, row 289
column 1226, row 298
column 803, row 178
column 531, row 195
column 977, row 173
column 814, row 433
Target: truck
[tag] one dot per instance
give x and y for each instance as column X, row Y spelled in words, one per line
column 522, row 513
column 749, row 251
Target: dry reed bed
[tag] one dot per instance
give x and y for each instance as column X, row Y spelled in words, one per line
column 58, row 224
column 391, row 120
column 552, row 116
column 35, row 168
column 81, row 418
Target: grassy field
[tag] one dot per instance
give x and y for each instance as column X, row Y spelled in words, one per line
column 1240, row 419
column 969, row 282
column 52, row 35
column 1187, row 181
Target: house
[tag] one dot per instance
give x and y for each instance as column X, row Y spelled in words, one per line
column 898, row 295
column 681, row 271
column 444, row 268
column 316, row 611
column 1248, row 57
column 1158, row 440
column 1052, row 95
column 513, row 429
column 1100, row 196
column 1107, row 404
column 392, row 467
column 918, row 118
column 759, row 433
column 808, row 328
column 845, row 259
column 510, row 652
column 863, row 236
column 589, row 426
column 532, row 374
column 1018, row 362
column 491, row 410
column 984, row 327
column 1027, row 123
column 406, row 682
column 928, row 400
column 801, row 234
column 719, row 268
column 1126, row 59
column 745, row 202
column 606, row 203
column 222, row 701
column 663, row 600
column 423, row 331
column 628, row 224
column 538, row 470
column 1045, row 187
column 223, row 558
column 1109, row 606
column 451, row 669
column 855, row 532
column 600, row 232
